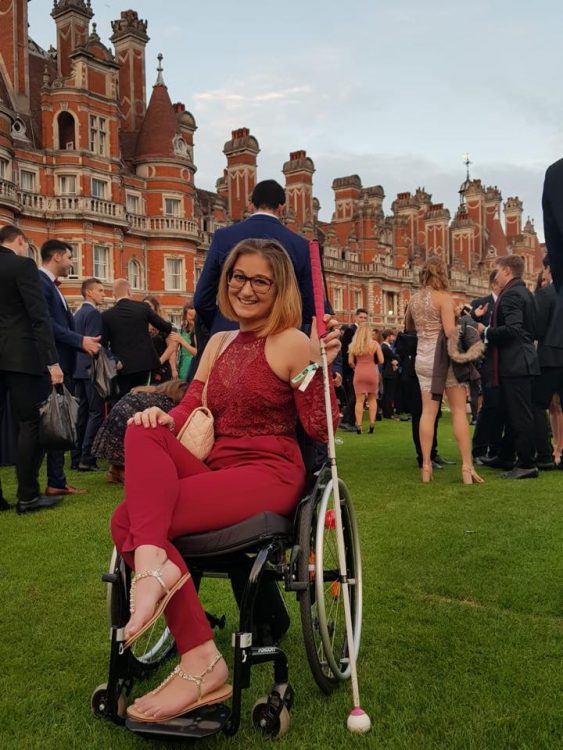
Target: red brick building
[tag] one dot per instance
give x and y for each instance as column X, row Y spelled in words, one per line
column 85, row 158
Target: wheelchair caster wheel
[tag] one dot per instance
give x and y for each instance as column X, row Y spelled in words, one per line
column 268, row 721
column 99, row 703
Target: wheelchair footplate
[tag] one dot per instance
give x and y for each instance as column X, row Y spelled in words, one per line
column 202, row 722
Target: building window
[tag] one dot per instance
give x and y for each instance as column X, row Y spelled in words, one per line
column 75, row 271
column 133, row 203
column 102, row 262
column 174, row 274
column 337, row 294
column 67, row 131
column 357, row 299
column 28, row 180
column 99, row 189
column 172, row 207
column 32, row 252
column 4, row 168
column 135, row 274
column 66, row 184
column 98, row 135
column 197, row 274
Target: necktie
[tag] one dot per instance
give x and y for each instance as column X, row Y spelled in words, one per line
column 56, row 282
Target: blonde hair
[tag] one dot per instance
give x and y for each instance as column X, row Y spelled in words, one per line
column 434, row 274
column 286, row 310
column 362, row 341
column 173, row 389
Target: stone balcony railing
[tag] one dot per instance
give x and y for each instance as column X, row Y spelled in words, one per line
column 368, row 269
column 172, row 225
column 8, row 192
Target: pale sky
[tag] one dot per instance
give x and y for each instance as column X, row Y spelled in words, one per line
column 395, row 91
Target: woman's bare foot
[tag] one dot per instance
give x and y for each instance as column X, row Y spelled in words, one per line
column 148, row 591
column 177, row 695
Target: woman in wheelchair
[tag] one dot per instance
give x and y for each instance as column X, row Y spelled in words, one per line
column 255, row 464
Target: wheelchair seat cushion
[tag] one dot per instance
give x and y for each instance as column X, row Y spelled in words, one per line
column 246, row 535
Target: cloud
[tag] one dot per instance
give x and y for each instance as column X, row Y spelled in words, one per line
column 291, row 95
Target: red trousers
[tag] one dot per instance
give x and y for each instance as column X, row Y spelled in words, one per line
column 170, row 493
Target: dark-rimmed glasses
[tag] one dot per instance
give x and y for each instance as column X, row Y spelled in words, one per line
column 259, row 284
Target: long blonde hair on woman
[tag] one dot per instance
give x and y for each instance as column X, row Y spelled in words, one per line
column 362, row 341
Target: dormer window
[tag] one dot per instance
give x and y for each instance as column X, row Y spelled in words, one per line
column 67, row 131
column 98, row 135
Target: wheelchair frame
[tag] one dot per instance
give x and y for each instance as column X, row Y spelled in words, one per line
column 301, row 572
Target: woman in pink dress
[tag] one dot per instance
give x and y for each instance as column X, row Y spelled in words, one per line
column 362, row 353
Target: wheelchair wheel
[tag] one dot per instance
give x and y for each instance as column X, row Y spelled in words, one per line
column 154, row 646
column 321, row 604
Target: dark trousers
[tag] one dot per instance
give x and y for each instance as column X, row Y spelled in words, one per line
column 130, row 380
column 26, row 393
column 348, row 413
column 487, row 435
column 516, row 402
column 544, row 387
column 413, row 402
column 56, row 459
column 90, row 417
column 389, row 390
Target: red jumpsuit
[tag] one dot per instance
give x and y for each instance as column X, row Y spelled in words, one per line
column 254, row 466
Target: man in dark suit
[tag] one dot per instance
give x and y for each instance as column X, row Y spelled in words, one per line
column 27, row 353
column 549, row 333
column 552, row 202
column 510, row 336
column 488, row 431
column 390, row 373
column 268, row 200
column 87, row 322
column 348, row 416
column 125, row 330
column 56, row 258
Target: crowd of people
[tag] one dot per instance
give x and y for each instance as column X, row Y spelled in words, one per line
column 243, row 349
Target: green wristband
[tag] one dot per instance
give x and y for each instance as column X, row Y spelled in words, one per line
column 305, row 371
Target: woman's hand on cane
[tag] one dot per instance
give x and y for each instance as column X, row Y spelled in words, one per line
column 152, row 417
column 331, row 340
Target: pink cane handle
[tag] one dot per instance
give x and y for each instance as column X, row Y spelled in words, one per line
column 318, row 292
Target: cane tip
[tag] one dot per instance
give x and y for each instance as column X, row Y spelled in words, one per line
column 358, row 721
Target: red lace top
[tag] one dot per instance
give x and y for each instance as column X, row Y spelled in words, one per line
column 248, row 399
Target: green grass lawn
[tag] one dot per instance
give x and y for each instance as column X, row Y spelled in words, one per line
column 463, row 622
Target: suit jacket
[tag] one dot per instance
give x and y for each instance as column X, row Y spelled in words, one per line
column 26, row 339
column 487, row 300
column 87, row 322
column 552, row 203
column 67, row 340
column 514, row 332
column 259, row 226
column 345, row 341
column 388, row 356
column 125, row 330
column 549, row 327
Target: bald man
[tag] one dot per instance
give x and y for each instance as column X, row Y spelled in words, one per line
column 125, row 331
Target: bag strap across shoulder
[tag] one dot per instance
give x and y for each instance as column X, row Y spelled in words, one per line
column 225, row 340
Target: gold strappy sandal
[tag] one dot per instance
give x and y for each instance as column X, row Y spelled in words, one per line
column 215, row 696
column 160, row 605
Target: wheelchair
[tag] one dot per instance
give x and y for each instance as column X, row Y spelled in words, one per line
column 300, row 554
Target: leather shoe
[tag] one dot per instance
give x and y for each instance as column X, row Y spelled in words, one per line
column 37, row 503
column 547, row 465
column 518, row 473
column 346, row 427
column 443, row 461
column 68, row 490
column 494, row 462
column 434, row 465
column 87, row 467
column 5, row 505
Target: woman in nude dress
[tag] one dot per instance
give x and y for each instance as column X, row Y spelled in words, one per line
column 362, row 352
column 430, row 311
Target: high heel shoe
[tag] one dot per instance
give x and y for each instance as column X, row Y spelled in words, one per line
column 371, row 428
column 359, row 429
column 470, row 476
column 426, row 473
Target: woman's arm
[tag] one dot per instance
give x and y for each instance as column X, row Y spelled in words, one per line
column 379, row 353
column 409, row 320
column 447, row 314
column 352, row 361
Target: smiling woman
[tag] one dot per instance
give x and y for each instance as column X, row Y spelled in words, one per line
column 255, row 464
